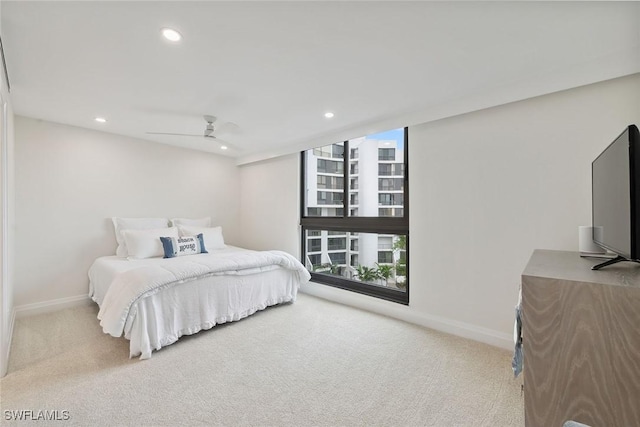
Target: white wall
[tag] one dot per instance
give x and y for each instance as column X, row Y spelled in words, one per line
column 496, row 184
column 269, row 192
column 6, row 221
column 486, row 189
column 7, row 171
column 70, row 181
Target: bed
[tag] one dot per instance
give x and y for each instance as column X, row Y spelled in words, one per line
column 154, row 301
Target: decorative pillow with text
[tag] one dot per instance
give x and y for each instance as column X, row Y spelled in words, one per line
column 180, row 246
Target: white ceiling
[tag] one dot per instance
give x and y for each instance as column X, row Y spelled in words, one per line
column 274, row 68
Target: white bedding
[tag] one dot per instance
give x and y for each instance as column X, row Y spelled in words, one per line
column 181, row 296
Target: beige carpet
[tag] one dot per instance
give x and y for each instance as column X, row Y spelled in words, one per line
column 309, row 363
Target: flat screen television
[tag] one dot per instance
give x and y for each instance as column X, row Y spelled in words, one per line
column 615, row 201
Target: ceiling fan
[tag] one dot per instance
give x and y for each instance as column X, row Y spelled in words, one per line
column 208, row 132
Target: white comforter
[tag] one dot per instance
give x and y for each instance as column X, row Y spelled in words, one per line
column 131, row 286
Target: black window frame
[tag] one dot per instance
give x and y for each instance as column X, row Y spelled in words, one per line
column 356, row 224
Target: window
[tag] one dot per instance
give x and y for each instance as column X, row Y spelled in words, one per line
column 337, row 244
column 314, row 260
column 391, row 199
column 385, row 242
column 334, row 151
column 389, row 169
column 385, row 257
column 390, row 184
column 330, row 182
column 354, row 260
column 391, row 212
column 329, row 198
column 330, row 166
column 338, row 258
column 314, row 245
column 354, row 214
column 386, row 153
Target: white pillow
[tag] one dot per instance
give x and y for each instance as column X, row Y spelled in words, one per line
column 213, row 238
column 147, row 243
column 121, row 224
column 200, row 222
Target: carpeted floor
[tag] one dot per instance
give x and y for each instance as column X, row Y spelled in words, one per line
column 309, row 363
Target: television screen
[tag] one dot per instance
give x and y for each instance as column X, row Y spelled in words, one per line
column 615, row 201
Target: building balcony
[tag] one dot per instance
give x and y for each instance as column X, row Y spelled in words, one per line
column 334, row 190
column 330, row 173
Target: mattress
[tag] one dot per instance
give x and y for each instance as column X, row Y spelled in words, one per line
column 104, row 270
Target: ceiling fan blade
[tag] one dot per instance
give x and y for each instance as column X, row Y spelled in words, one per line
column 228, row 127
column 209, row 132
column 175, row 134
column 222, row 142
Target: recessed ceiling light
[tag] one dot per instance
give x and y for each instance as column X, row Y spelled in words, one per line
column 101, row 120
column 171, row 35
column 328, row 115
column 223, row 147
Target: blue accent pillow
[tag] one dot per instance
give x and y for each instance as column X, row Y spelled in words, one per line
column 179, row 246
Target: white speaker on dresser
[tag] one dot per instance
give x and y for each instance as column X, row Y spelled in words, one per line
column 586, row 246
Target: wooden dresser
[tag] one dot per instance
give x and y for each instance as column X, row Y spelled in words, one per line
column 581, row 341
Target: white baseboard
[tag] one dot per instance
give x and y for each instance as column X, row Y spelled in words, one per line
column 402, row 312
column 42, row 307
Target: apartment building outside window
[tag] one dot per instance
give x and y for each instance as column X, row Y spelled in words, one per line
column 386, row 153
column 390, row 184
column 397, row 212
column 388, row 199
column 314, row 245
column 330, row 166
column 354, row 214
column 329, row 198
column 314, row 258
column 337, row 244
column 385, row 257
column 388, row 169
column 330, row 182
